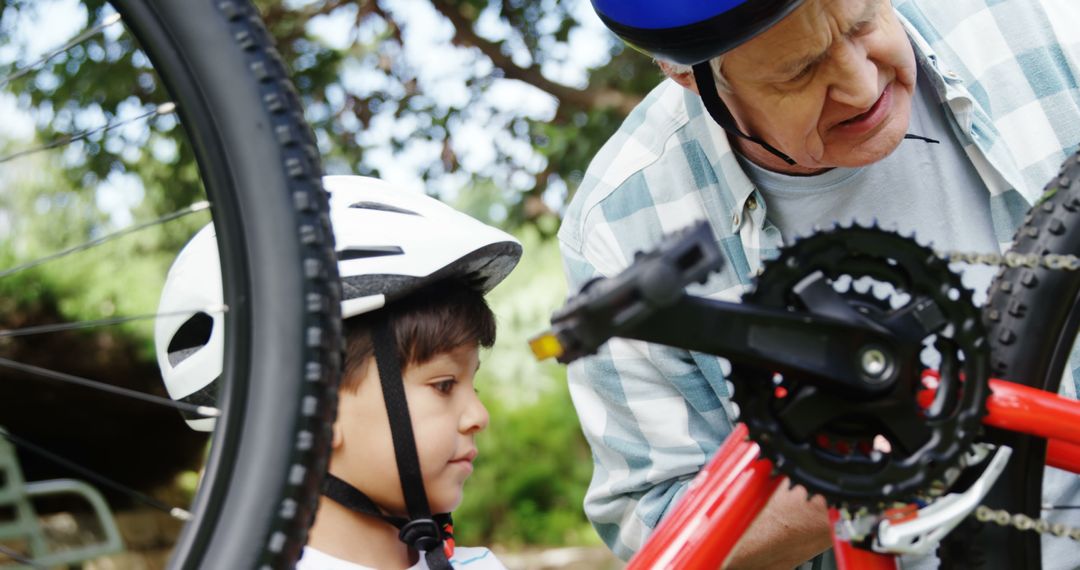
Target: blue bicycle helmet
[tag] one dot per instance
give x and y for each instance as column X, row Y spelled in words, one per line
column 691, row 32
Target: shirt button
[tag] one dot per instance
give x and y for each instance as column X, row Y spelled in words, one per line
column 735, row 222
column 751, row 203
column 952, row 75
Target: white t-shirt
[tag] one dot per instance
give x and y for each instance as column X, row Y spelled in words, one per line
column 470, row 558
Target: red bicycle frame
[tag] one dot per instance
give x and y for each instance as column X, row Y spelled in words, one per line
column 734, row 486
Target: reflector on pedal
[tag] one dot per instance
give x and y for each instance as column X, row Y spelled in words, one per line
column 546, row 346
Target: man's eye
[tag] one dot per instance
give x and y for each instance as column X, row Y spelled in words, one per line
column 863, row 29
column 445, row 386
column 801, row 75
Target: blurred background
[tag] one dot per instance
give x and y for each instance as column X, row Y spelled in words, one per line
column 495, row 106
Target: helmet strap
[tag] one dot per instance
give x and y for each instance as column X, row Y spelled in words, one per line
column 421, row 532
column 719, row 112
column 355, row 500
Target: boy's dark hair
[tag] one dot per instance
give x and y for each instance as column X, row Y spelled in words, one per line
column 431, row 321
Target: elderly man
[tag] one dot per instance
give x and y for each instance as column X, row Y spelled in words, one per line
column 944, row 118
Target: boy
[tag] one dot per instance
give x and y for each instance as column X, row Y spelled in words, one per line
column 414, row 272
column 439, row 330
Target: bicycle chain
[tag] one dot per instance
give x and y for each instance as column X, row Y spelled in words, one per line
column 1012, row 260
column 1022, row 522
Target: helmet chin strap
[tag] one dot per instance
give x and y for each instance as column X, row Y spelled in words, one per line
column 706, row 85
column 410, row 531
column 420, row 531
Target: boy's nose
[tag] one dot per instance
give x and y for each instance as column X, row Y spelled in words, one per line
column 476, row 416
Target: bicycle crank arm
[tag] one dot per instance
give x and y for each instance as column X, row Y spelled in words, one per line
column 832, row 354
column 604, row 306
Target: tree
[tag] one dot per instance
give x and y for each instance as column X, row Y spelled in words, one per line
column 372, row 89
column 516, row 95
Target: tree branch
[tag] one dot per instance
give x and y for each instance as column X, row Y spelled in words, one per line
column 277, row 11
column 464, row 35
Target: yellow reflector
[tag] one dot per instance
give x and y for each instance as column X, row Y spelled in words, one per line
column 545, row 346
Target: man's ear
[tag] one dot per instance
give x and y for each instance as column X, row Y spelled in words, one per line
column 683, row 78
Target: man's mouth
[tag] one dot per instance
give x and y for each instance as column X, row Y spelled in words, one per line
column 862, row 116
column 871, row 118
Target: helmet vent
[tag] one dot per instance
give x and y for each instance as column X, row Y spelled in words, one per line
column 191, row 336
column 351, row 253
column 382, row 208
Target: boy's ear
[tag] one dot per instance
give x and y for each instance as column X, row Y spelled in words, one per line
column 338, row 438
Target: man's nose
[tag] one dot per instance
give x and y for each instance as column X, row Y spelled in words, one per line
column 855, row 76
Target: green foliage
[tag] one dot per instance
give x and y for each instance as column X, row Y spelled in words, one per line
column 104, row 80
column 122, row 277
column 96, row 181
column 523, row 304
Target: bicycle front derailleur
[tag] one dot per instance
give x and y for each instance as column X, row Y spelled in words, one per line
column 915, row 530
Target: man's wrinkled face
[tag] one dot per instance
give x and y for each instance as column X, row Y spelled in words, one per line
column 830, row 85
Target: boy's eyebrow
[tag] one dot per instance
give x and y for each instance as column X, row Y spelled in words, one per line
column 868, row 15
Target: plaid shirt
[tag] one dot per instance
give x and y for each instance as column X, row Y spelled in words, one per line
column 1007, row 71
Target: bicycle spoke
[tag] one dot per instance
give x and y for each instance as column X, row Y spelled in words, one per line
column 70, row 44
column 202, row 411
column 175, row 512
column 45, row 329
column 163, row 109
column 196, row 207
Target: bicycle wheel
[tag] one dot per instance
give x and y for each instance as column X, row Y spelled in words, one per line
column 259, row 166
column 1032, row 317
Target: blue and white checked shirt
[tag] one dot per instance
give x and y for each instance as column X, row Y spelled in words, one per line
column 1008, row 72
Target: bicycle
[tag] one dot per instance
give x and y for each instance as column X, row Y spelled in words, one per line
column 260, row 169
column 833, row 392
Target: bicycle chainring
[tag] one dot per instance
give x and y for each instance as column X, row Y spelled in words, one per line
column 870, row 451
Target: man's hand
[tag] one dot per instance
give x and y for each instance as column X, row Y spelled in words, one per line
column 789, row 531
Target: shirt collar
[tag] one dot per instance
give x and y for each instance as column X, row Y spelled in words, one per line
column 947, row 83
column 720, row 153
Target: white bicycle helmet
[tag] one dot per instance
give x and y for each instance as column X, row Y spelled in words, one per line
column 390, row 242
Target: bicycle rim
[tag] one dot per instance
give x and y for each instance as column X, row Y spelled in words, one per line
column 260, row 170
column 1032, row 316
